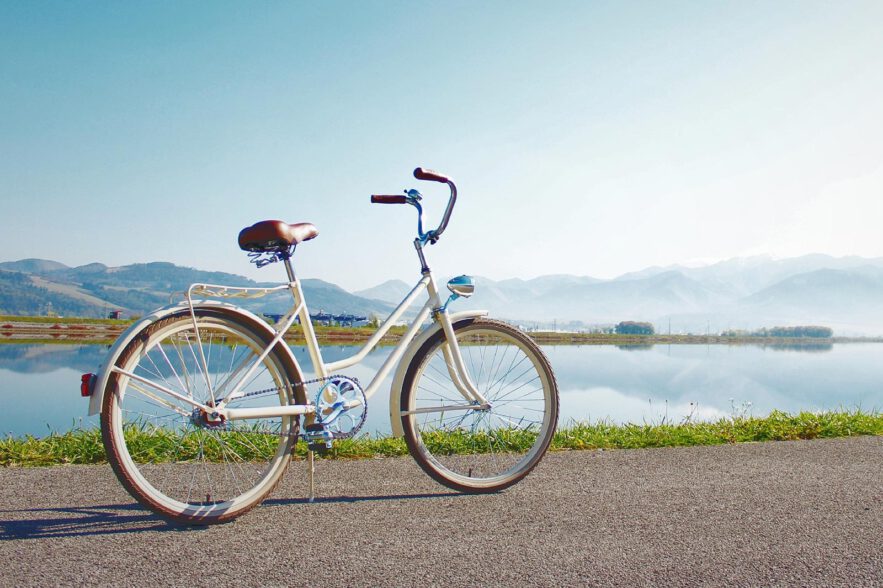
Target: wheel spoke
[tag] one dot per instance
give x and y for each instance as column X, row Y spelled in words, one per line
column 177, row 461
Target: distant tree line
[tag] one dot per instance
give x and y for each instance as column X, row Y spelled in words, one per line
column 634, row 328
column 19, row 296
column 813, row 331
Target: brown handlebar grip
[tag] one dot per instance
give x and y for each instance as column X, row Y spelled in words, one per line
column 430, row 176
column 388, row 199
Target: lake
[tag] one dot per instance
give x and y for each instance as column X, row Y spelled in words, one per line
column 39, row 384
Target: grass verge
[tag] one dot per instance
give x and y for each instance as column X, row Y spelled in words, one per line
column 59, row 320
column 85, row 447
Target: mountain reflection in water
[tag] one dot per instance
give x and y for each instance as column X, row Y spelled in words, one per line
column 39, row 384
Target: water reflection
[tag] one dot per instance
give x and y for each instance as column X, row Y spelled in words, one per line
column 39, row 384
column 814, row 347
column 673, row 382
column 635, row 347
column 38, row 359
column 808, row 346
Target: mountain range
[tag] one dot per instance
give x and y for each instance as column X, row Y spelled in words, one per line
column 844, row 293
column 36, row 286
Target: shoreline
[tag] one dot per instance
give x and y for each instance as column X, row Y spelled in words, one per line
column 84, row 446
column 49, row 330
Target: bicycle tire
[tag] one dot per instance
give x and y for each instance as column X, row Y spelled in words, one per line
column 480, row 451
column 174, row 464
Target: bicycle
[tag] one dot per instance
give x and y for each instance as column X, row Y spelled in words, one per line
column 201, row 402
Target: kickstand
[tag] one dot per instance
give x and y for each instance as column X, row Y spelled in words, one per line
column 311, row 473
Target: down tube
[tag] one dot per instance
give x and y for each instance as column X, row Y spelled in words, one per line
column 396, row 355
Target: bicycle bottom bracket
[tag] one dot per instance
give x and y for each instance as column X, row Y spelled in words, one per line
column 318, row 437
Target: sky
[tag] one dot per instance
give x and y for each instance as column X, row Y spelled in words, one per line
column 587, row 138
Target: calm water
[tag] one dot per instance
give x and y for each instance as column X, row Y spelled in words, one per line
column 39, row 384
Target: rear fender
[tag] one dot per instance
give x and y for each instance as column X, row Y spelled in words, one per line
column 129, row 334
column 395, row 392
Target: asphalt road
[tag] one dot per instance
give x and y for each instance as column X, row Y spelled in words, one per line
column 804, row 514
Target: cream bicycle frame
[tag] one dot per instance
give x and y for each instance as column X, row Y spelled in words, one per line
column 473, row 399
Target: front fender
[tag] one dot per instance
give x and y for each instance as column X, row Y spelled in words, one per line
column 129, row 334
column 395, row 392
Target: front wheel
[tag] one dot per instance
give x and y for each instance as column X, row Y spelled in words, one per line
column 482, row 449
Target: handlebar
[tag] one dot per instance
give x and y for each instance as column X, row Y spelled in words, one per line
column 389, row 199
column 413, row 198
column 430, row 176
column 433, row 176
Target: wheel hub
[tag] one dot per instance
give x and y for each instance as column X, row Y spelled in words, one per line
column 211, row 419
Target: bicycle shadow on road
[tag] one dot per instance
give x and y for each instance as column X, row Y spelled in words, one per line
column 114, row 519
column 84, row 521
column 356, row 499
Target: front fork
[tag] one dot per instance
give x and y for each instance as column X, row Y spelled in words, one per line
column 454, row 362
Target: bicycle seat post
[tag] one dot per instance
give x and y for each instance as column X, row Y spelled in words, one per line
column 289, row 269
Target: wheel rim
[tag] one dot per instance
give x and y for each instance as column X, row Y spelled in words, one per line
column 489, row 448
column 177, row 463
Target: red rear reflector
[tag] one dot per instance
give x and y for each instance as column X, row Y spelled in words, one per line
column 87, row 382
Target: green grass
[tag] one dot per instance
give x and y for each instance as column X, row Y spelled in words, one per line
column 84, row 446
column 778, row 426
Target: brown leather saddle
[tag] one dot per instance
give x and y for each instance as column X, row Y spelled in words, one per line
column 275, row 235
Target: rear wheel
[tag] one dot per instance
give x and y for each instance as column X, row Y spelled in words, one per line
column 480, row 450
column 177, row 461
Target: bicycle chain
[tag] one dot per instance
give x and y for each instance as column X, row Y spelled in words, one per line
column 302, row 384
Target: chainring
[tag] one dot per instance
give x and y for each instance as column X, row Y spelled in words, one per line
column 341, row 406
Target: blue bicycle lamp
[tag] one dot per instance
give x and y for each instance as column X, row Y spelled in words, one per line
column 460, row 287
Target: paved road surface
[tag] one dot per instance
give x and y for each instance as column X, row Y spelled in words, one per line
column 805, row 513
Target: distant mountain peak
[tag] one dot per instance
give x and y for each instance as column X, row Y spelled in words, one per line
column 91, row 267
column 391, row 291
column 32, row 266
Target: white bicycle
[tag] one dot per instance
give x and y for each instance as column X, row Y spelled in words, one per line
column 201, row 402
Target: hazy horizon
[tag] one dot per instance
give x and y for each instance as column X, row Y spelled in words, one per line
column 274, row 273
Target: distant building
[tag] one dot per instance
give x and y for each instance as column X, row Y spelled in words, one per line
column 115, row 314
column 344, row 320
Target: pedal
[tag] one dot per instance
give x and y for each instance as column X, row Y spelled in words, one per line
column 318, row 438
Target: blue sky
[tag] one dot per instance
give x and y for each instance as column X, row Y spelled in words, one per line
column 590, row 138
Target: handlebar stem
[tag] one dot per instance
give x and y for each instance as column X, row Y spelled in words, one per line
column 418, row 245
